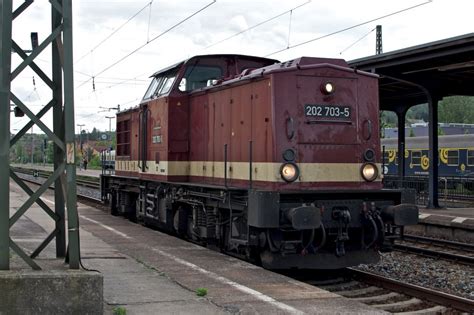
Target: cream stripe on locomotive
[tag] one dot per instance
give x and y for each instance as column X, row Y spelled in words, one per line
column 309, row 172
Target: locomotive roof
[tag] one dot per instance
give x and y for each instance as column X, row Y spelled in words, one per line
column 291, row 65
column 450, row 141
column 269, row 60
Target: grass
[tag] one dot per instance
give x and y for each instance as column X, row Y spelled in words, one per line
column 120, row 310
column 201, row 291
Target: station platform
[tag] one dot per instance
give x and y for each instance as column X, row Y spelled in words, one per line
column 148, row 272
column 454, row 224
column 452, row 217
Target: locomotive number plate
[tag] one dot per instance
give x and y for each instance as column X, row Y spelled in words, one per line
column 327, row 111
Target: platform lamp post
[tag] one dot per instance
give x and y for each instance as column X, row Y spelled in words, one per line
column 80, row 135
column 32, row 147
column 110, row 126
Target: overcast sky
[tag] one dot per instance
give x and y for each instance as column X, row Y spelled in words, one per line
column 102, row 37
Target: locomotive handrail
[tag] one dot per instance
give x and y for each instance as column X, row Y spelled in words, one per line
column 140, row 140
column 250, row 164
column 225, row 165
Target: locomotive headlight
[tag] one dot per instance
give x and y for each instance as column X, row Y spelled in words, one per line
column 289, row 172
column 327, row 88
column 369, row 172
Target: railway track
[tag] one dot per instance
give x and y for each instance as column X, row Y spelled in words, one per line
column 437, row 248
column 393, row 296
column 85, row 184
column 85, row 181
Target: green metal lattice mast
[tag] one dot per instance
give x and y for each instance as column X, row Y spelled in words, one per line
column 62, row 105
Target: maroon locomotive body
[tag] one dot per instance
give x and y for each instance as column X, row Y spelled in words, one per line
column 275, row 162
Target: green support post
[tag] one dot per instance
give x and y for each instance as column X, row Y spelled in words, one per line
column 5, row 68
column 71, row 198
column 58, row 129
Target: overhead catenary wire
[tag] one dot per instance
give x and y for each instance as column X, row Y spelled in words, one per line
column 351, row 45
column 150, row 41
column 125, row 81
column 149, row 22
column 349, row 28
column 115, row 31
column 113, row 83
column 289, row 28
column 257, row 25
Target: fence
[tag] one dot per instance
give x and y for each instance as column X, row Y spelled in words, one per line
column 450, row 189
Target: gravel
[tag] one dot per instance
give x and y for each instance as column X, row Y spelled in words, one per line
column 449, row 277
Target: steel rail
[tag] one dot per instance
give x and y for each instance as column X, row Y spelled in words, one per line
column 441, row 298
column 438, row 242
column 80, row 182
column 435, row 254
column 93, row 182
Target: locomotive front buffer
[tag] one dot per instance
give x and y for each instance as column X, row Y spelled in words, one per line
column 323, row 226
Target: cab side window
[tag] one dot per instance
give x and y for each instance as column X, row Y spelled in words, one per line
column 199, row 76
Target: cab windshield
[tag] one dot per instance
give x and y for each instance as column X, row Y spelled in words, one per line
column 161, row 84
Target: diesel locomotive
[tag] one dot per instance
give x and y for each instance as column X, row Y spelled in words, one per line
column 274, row 162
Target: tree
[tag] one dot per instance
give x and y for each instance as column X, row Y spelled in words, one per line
column 94, row 134
column 418, row 112
column 19, row 152
column 50, row 152
column 456, row 109
column 388, row 119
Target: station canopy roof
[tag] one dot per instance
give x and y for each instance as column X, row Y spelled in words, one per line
column 444, row 68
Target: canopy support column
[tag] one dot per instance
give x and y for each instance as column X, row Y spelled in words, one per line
column 433, row 140
column 433, row 151
column 401, row 114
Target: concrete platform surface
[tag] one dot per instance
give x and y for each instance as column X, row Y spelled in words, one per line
column 462, row 218
column 148, row 272
column 55, row 289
